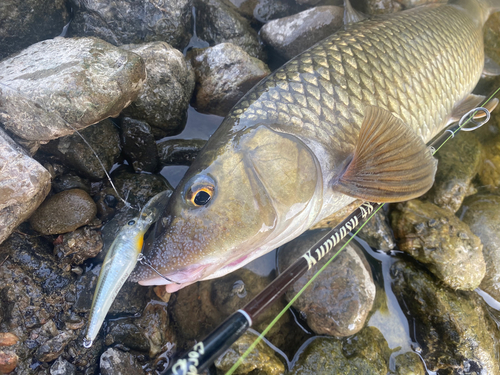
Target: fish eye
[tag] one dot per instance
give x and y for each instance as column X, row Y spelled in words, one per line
column 131, row 222
column 201, row 191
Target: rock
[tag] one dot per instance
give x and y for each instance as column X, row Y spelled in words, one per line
column 165, row 97
column 129, row 21
column 458, row 163
column 70, row 181
column 126, row 333
column 154, row 324
column 377, row 232
column 18, row 20
column 76, row 247
column 224, row 74
column 374, row 7
column 341, row 297
column 62, row 84
column 179, row 151
column 482, row 215
column 73, row 151
column 408, row 4
column 455, row 330
column 365, row 353
column 218, row 22
column 291, row 35
column 261, row 359
column 8, row 339
column 116, row 362
column 8, row 362
column 267, row 10
column 64, row 212
column 139, row 146
column 489, row 173
column 438, row 239
column 409, row 363
column 52, row 348
column 24, row 184
column 62, row 367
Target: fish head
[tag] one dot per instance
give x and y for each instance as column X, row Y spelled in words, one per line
column 241, row 198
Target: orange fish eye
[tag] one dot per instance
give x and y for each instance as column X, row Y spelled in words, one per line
column 200, row 195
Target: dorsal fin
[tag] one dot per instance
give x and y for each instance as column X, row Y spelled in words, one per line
column 391, row 162
column 351, row 15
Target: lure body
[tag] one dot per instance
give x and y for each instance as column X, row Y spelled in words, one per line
column 119, row 262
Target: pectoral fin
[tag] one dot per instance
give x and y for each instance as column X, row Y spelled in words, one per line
column 491, row 68
column 391, row 162
column 351, row 15
column 471, row 102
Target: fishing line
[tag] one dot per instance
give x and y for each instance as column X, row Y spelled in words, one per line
column 24, row 97
column 468, row 117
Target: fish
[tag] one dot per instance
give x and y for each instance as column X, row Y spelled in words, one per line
column 346, row 120
column 119, row 262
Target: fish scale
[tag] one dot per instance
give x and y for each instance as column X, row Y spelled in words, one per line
column 363, row 63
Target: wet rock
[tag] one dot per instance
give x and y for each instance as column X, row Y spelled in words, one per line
column 261, row 359
column 341, row 297
column 52, row 348
column 179, row 151
column 164, row 100
column 154, row 324
column 365, row 353
column 139, row 146
column 126, row 333
column 63, row 81
column 24, row 184
column 73, row 151
column 116, row 362
column 458, row 163
column 377, row 232
column 62, row 367
column 18, row 19
column 455, row 331
column 408, row 4
column 8, row 339
column 290, row 36
column 218, row 22
column 70, row 181
column 409, row 363
column 489, row 174
column 8, row 362
column 129, row 21
column 138, row 189
column 76, row 247
column 437, row 238
column 224, row 74
column 267, row 10
column 64, row 212
column 374, row 7
column 481, row 212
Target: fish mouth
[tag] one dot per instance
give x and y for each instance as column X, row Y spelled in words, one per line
column 179, row 279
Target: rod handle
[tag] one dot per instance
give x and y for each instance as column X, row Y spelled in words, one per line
column 204, row 353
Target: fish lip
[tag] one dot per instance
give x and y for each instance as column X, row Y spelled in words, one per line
column 185, row 276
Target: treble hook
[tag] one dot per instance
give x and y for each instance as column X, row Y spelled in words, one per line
column 142, row 260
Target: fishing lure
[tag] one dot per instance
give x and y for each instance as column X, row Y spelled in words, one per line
column 119, row 262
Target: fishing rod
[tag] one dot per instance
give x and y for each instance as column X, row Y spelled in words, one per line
column 204, row 353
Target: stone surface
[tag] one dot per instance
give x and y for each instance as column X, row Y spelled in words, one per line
column 129, row 21
column 291, row 35
column 8, row 339
column 164, row 99
column 481, row 212
column 409, row 363
column 365, row 353
column 377, row 232
column 70, row 181
column 218, row 22
column 454, row 328
column 179, row 151
column 64, row 212
column 52, row 348
column 267, row 10
column 139, row 146
column 374, row 7
column 74, row 152
column 8, row 361
column 18, row 20
column 75, row 247
column 224, row 73
column 489, row 173
column 261, row 359
column 339, row 300
column 458, row 163
column 438, row 239
column 62, row 367
column 56, row 86
column 116, row 362
column 24, row 184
